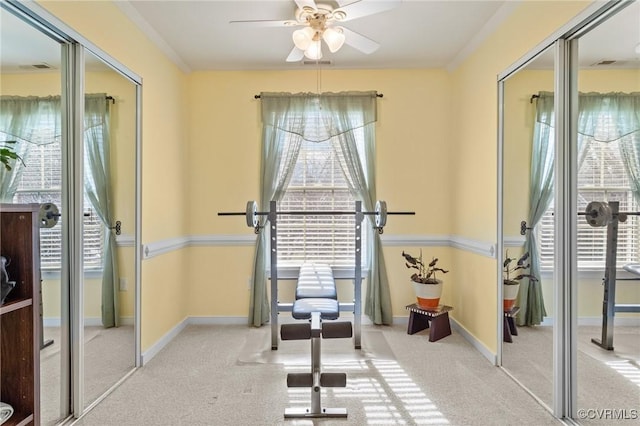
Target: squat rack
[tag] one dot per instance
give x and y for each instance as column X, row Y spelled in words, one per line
column 600, row 214
column 252, row 217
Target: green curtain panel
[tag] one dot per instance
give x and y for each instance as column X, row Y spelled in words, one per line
column 20, row 118
column 623, row 112
column 97, row 186
column 288, row 119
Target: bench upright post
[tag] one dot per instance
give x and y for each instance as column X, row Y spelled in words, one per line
column 273, row 235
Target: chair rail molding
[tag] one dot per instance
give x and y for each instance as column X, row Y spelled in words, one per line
column 483, row 248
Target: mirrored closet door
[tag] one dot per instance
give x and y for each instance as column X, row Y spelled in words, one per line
column 109, row 226
column 528, row 132
column 31, row 123
column 575, row 132
column 608, row 169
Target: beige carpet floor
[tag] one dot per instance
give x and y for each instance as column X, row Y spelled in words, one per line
column 228, row 375
column 607, row 380
column 108, row 355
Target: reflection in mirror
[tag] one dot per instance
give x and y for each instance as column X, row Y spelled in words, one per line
column 109, row 199
column 527, row 350
column 31, row 115
column 609, row 171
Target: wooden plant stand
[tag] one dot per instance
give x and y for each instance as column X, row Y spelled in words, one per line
column 420, row 318
column 510, row 328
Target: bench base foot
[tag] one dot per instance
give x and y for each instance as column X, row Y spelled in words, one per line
column 306, row 413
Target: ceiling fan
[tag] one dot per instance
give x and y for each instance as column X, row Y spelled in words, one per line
column 319, row 22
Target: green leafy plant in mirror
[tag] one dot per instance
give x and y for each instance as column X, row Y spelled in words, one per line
column 514, row 272
column 8, row 155
column 426, row 272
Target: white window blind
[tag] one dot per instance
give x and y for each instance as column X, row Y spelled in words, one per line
column 41, row 182
column 318, row 183
column 602, row 177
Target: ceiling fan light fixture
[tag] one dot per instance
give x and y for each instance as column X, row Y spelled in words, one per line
column 303, row 38
column 314, row 51
column 334, row 37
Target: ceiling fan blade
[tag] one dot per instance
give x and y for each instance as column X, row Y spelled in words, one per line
column 360, row 42
column 359, row 8
column 310, row 3
column 295, row 55
column 267, row 23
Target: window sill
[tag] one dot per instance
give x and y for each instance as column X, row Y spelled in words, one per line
column 590, row 273
column 339, row 272
column 55, row 274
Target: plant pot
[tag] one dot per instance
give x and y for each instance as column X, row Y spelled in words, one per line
column 510, row 294
column 428, row 295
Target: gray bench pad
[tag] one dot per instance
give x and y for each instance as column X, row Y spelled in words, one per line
column 328, row 308
column 316, row 281
column 634, row 268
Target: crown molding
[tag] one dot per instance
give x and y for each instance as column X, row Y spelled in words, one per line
column 131, row 12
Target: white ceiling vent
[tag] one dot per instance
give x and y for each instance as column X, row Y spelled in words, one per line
column 605, row 62
column 617, row 63
column 40, row 66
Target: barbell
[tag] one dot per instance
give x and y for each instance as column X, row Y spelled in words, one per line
column 252, row 214
column 599, row 213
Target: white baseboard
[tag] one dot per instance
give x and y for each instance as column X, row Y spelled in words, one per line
column 477, row 344
column 164, row 341
column 404, row 320
column 618, row 320
column 88, row 322
column 597, row 321
column 218, row 321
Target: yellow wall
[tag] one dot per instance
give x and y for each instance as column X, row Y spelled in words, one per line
column 224, row 164
column 412, row 133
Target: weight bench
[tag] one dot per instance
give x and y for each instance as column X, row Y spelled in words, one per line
column 609, row 305
column 634, row 269
column 316, row 300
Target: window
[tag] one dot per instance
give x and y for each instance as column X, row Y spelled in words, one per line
column 318, row 183
column 41, row 182
column 602, row 177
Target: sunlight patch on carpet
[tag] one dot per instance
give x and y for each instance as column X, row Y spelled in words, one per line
column 387, row 394
column 629, row 370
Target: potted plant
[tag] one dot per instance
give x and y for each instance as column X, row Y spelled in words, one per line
column 513, row 273
column 7, row 154
column 425, row 284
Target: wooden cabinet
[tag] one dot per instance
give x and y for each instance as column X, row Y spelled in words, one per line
column 19, row 315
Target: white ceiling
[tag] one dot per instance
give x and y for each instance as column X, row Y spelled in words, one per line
column 413, row 34
column 197, row 35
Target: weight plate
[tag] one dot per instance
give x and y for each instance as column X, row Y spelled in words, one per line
column 598, row 214
column 381, row 213
column 48, row 215
column 252, row 217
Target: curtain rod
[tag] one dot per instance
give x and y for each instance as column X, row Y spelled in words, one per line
column 112, row 99
column 379, row 95
column 533, row 97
